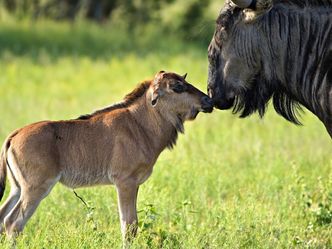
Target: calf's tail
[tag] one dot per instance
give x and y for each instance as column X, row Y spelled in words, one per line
column 4, row 163
column 3, row 166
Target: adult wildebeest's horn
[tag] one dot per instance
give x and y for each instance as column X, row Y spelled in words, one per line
column 257, row 5
column 250, row 4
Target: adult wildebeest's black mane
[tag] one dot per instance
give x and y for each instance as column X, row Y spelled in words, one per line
column 305, row 3
column 297, row 36
column 257, row 99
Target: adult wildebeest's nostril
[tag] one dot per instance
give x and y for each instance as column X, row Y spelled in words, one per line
column 207, row 104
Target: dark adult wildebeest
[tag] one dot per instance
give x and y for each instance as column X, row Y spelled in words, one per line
column 264, row 49
column 116, row 145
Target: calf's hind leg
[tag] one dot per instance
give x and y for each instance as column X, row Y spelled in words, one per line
column 8, row 206
column 12, row 199
column 26, row 206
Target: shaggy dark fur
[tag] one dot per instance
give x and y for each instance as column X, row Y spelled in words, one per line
column 295, row 45
column 305, row 3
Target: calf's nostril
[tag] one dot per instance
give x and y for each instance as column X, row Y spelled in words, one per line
column 207, row 104
column 207, row 101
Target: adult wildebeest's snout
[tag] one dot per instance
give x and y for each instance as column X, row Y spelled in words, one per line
column 207, row 104
column 220, row 99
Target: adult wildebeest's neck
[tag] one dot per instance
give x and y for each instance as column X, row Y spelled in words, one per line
column 299, row 45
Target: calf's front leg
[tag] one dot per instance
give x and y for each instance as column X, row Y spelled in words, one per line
column 127, row 196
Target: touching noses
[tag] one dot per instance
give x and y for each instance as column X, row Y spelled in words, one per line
column 207, row 104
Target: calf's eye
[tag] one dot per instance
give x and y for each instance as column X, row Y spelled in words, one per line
column 178, row 88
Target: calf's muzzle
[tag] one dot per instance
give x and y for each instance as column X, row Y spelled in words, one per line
column 207, row 104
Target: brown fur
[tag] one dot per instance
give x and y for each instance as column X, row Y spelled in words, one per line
column 116, row 145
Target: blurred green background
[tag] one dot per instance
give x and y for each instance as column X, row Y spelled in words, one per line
column 229, row 182
column 190, row 20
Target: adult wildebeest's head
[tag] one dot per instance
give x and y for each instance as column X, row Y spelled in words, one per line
column 264, row 49
column 235, row 58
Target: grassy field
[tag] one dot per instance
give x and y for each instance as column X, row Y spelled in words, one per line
column 229, row 183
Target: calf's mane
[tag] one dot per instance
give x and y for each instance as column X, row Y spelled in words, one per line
column 129, row 99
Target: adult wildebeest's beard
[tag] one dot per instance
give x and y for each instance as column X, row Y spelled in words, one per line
column 248, row 101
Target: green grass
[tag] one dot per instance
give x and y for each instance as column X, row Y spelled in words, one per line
column 229, row 183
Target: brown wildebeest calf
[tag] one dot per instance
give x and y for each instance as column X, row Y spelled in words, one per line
column 116, row 145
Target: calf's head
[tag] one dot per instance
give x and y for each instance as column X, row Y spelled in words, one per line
column 173, row 95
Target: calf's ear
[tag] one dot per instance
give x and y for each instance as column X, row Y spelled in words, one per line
column 156, row 94
column 154, row 99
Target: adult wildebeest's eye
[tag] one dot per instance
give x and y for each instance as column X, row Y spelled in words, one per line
column 178, row 88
